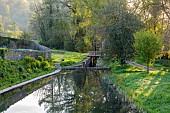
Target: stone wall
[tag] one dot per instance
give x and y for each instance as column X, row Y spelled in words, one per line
column 18, row 49
column 19, row 54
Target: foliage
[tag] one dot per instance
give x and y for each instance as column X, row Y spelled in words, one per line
column 3, row 52
column 1, row 25
column 33, row 65
column 45, row 65
column 69, row 45
column 147, row 45
column 15, row 72
column 155, row 15
column 14, row 43
column 50, row 22
column 162, row 64
column 25, row 35
column 119, row 44
column 147, row 91
column 29, row 59
column 40, row 58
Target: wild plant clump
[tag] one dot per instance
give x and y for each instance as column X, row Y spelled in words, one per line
column 40, row 58
column 33, row 64
column 13, row 72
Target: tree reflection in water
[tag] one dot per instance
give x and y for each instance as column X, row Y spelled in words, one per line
column 78, row 92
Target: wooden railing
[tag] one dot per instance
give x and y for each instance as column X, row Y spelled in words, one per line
column 94, row 53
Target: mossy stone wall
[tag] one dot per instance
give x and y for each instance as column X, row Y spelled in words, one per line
column 17, row 54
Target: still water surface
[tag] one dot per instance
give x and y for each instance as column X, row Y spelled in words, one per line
column 67, row 92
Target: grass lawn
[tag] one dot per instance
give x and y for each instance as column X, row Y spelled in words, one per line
column 163, row 64
column 70, row 58
column 150, row 92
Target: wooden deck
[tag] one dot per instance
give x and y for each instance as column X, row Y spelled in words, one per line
column 94, row 53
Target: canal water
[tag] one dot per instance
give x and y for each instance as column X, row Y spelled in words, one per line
column 67, row 92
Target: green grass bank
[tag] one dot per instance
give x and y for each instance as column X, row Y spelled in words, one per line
column 15, row 72
column 150, row 92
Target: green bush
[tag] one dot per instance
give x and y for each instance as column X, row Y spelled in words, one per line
column 28, row 65
column 3, row 52
column 28, row 59
column 166, row 63
column 33, row 65
column 46, row 68
column 40, row 58
column 69, row 45
column 37, row 70
column 45, row 64
column 38, row 63
column 21, row 69
column 168, row 54
column 29, row 70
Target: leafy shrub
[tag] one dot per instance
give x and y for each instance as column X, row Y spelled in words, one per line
column 166, row 63
column 3, row 52
column 46, row 68
column 168, row 54
column 29, row 70
column 38, row 64
column 33, row 65
column 45, row 64
column 37, row 70
column 28, row 59
column 28, row 65
column 69, row 45
column 50, row 60
column 114, row 65
column 40, row 58
column 20, row 69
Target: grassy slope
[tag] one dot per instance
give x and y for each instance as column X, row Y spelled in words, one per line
column 150, row 92
column 13, row 76
column 70, row 58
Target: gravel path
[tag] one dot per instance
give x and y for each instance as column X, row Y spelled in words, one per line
column 141, row 66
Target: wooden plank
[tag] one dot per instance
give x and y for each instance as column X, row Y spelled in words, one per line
column 94, row 53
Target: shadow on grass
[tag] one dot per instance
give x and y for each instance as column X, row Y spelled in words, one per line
column 156, row 96
column 150, row 92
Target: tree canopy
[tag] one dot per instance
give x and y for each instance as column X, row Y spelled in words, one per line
column 107, row 25
column 147, row 45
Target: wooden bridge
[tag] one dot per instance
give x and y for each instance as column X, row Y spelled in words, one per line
column 88, row 63
column 94, row 54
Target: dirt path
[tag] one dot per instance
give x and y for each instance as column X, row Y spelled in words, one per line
column 141, row 66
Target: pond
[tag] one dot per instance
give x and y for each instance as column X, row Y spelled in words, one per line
column 67, row 92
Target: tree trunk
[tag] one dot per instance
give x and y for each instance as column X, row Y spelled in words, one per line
column 147, row 66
